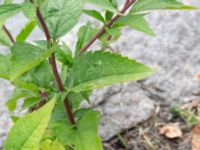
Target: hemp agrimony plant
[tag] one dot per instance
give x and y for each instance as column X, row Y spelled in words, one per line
column 52, row 80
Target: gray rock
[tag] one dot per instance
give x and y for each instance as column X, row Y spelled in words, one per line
column 174, row 52
column 122, row 107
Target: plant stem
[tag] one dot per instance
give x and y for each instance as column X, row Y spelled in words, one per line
column 54, row 67
column 8, row 34
column 127, row 5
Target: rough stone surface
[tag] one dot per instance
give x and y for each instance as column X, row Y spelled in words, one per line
column 122, row 107
column 174, row 52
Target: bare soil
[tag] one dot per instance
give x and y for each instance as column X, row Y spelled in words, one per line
column 146, row 136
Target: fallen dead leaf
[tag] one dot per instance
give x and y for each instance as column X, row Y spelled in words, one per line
column 171, row 131
column 196, row 137
column 192, row 104
column 198, row 75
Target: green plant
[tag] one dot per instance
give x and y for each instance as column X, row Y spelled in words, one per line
column 55, row 120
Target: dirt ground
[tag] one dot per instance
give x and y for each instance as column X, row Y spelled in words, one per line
column 146, row 136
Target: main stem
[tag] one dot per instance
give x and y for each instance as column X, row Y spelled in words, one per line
column 8, row 34
column 127, row 5
column 52, row 60
column 54, row 67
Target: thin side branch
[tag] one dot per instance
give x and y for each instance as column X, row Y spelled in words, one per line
column 54, row 67
column 8, row 34
column 127, row 5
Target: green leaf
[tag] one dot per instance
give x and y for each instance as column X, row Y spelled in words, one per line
column 64, row 55
column 9, row 10
column 61, row 16
column 189, row 116
column 59, row 112
column 108, row 15
column 85, row 34
column 29, row 10
column 104, row 4
column 7, row 1
column 40, row 75
column 28, row 131
column 30, row 102
column 18, row 94
column 43, row 44
column 136, row 22
column 26, row 56
column 146, row 5
column 52, row 145
column 84, row 136
column 114, row 3
column 29, row 86
column 75, row 99
column 15, row 118
column 95, row 14
column 98, row 69
column 25, row 32
column 4, row 67
column 39, row 2
column 110, row 36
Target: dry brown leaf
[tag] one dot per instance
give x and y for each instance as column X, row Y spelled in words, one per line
column 171, row 131
column 196, row 137
column 192, row 104
column 198, row 75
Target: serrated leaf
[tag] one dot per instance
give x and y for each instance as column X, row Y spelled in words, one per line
column 136, row 22
column 98, row 69
column 84, row 136
column 29, row 10
column 64, row 55
column 4, row 67
column 26, row 56
column 95, row 14
column 146, row 5
column 104, row 4
column 40, row 75
column 25, row 32
column 85, row 33
column 28, row 131
column 9, row 10
column 61, row 16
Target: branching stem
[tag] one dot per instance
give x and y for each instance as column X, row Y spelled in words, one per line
column 8, row 34
column 127, row 5
column 52, row 59
column 54, row 67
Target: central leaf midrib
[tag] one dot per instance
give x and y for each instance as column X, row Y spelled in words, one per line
column 36, row 126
